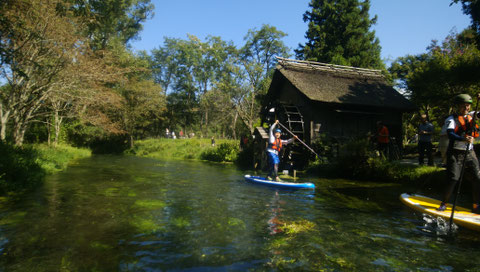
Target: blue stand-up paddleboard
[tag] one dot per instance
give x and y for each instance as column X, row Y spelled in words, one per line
column 280, row 184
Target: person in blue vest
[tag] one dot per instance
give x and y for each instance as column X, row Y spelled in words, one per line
column 275, row 145
column 462, row 132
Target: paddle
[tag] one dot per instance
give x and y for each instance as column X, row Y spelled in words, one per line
column 309, row 148
column 463, row 167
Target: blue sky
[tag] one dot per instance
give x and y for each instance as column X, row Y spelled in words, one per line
column 403, row 26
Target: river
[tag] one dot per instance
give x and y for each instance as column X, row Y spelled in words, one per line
column 123, row 213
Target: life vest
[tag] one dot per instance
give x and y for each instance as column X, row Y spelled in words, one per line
column 277, row 145
column 462, row 126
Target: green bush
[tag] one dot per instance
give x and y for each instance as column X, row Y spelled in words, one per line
column 357, row 160
column 194, row 149
column 354, row 158
column 25, row 167
column 225, row 152
column 54, row 159
column 19, row 168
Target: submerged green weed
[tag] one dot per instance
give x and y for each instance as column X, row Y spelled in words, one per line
column 150, row 204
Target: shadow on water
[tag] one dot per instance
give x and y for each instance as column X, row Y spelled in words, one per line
column 113, row 213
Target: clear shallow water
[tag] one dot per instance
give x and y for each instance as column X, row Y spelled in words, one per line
column 112, row 213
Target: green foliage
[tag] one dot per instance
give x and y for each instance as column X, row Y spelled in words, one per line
column 339, row 33
column 261, row 47
column 95, row 138
column 225, row 152
column 355, row 156
column 19, row 168
column 81, row 135
column 189, row 70
column 472, row 8
column 212, row 84
column 186, row 149
column 326, row 147
column 25, row 167
column 54, row 159
column 357, row 160
column 114, row 19
column 144, row 102
column 432, row 79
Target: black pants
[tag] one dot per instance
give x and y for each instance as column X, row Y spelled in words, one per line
column 454, row 167
column 384, row 149
column 425, row 147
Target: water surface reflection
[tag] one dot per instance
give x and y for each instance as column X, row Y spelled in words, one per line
column 113, row 213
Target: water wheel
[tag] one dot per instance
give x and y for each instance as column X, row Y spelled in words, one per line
column 294, row 156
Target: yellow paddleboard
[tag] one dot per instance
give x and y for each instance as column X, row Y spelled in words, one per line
column 462, row 217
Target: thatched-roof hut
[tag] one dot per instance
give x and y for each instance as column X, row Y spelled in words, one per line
column 339, row 101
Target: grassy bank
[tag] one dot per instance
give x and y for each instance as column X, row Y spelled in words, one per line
column 54, row 159
column 191, row 149
column 358, row 165
column 378, row 169
column 25, row 167
column 359, row 161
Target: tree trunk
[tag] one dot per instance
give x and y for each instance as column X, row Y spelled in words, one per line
column 49, row 133
column 206, row 122
column 58, row 126
column 4, row 115
column 234, row 132
column 19, row 133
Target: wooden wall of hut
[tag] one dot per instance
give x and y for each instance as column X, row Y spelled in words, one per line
column 342, row 122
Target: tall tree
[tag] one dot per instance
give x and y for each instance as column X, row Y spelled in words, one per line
column 111, row 19
column 195, row 72
column 257, row 58
column 472, row 8
column 143, row 103
column 164, row 64
column 433, row 78
column 38, row 48
column 188, row 69
column 43, row 54
column 339, row 33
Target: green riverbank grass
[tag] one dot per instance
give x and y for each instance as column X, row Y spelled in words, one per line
column 377, row 169
column 364, row 168
column 191, row 149
column 54, row 159
column 25, row 167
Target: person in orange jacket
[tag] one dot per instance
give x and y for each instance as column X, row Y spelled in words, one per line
column 383, row 138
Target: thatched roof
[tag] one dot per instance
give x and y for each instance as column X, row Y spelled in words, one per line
column 341, row 84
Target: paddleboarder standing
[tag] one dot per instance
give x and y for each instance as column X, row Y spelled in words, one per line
column 461, row 131
column 275, row 145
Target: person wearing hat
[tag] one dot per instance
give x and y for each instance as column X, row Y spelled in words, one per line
column 461, row 132
column 275, row 145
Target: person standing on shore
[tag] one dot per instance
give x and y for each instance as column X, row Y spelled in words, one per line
column 425, row 131
column 383, row 139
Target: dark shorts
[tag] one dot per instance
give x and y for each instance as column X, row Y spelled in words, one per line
column 455, row 161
